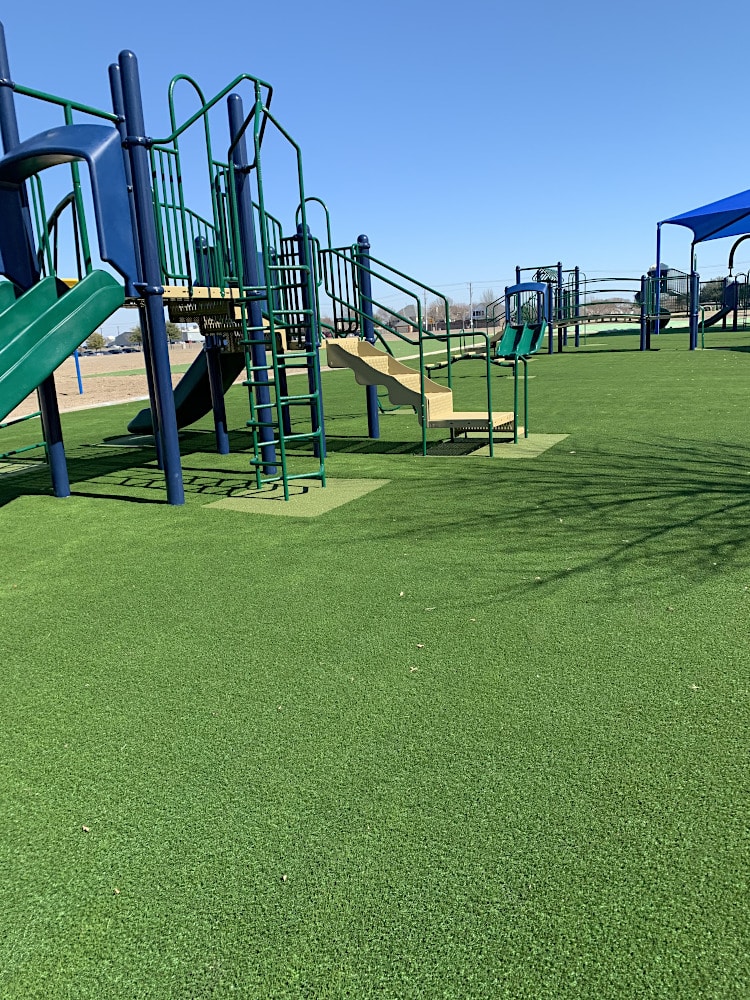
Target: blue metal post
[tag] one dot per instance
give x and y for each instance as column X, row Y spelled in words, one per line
column 577, row 302
column 212, row 349
column 48, row 406
column 695, row 284
column 657, row 298
column 118, row 106
column 561, row 303
column 644, row 315
column 251, row 280
column 77, row 361
column 518, row 274
column 364, row 280
column 312, row 338
column 150, row 286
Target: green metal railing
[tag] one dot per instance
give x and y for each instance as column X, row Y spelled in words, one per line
column 24, row 448
column 361, row 307
column 205, row 249
column 289, row 290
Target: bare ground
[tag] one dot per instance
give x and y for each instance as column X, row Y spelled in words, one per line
column 102, row 385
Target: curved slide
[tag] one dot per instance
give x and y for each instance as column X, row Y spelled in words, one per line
column 43, row 327
column 731, row 297
column 192, row 394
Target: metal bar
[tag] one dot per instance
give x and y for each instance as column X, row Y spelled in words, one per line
column 368, row 328
column 657, row 303
column 118, row 105
column 312, row 340
column 694, row 309
column 150, row 285
column 212, row 348
column 207, row 105
column 249, row 265
column 63, row 102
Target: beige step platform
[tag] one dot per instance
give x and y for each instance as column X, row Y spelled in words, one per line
column 372, row 366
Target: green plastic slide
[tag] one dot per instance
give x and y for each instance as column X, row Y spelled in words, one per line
column 43, row 327
column 192, row 395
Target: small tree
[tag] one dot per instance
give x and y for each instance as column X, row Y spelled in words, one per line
column 459, row 313
column 135, row 336
column 95, row 342
column 712, row 291
column 383, row 317
column 436, row 311
column 174, row 333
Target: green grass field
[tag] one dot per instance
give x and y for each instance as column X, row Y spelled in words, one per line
column 481, row 733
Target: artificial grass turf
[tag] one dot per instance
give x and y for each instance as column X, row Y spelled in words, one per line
column 478, row 734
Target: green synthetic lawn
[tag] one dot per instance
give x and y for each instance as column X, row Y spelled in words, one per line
column 480, row 733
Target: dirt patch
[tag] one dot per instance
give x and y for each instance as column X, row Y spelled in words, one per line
column 107, row 379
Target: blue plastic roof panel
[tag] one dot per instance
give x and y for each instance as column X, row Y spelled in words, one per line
column 727, row 217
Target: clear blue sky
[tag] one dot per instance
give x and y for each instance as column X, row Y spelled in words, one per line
column 464, row 139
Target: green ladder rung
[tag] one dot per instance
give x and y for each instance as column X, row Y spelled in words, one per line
column 300, row 397
column 289, row 478
column 261, row 423
column 302, row 436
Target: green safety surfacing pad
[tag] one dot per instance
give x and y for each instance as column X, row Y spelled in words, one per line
column 307, row 498
column 16, row 468
column 476, row 447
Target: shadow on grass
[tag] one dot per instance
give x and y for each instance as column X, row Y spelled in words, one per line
column 664, row 512
column 646, row 511
column 340, row 444
column 108, row 471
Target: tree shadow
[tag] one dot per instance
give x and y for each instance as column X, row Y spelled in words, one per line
column 342, row 444
column 664, row 512
column 130, row 473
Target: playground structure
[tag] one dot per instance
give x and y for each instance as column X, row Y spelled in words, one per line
column 526, row 321
column 347, row 278
column 215, row 269
column 728, row 217
column 252, row 288
column 579, row 303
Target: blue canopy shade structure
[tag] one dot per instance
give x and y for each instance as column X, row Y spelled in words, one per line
column 727, row 217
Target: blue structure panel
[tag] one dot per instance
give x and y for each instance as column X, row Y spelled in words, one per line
column 101, row 147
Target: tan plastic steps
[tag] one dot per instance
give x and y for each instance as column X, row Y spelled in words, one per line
column 372, row 366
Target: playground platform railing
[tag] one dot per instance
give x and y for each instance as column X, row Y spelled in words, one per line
column 368, row 308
